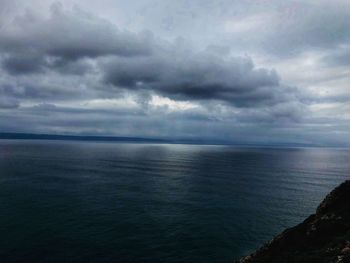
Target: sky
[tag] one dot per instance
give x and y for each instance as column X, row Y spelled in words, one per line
column 247, row 71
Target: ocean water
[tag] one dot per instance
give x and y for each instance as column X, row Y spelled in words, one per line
column 112, row 202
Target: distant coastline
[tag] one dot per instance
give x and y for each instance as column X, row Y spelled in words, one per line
column 98, row 138
column 31, row 136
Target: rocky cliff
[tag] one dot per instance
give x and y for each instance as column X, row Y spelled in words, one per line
column 322, row 237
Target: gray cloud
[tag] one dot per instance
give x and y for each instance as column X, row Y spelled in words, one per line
column 338, row 57
column 23, row 63
column 65, row 70
column 186, row 75
column 299, row 27
column 8, row 103
column 132, row 61
column 185, row 125
column 282, row 29
column 31, row 42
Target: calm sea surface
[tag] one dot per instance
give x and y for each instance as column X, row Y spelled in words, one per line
column 112, row 202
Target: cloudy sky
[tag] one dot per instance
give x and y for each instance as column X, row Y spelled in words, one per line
column 250, row 71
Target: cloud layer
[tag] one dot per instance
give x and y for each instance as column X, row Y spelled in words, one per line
column 77, row 69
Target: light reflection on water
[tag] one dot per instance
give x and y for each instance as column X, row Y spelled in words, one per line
column 113, row 202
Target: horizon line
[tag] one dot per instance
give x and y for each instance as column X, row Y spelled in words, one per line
column 136, row 139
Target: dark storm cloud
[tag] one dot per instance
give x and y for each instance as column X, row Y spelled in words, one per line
column 31, row 42
column 67, row 71
column 25, row 63
column 186, row 75
column 62, row 42
column 70, row 67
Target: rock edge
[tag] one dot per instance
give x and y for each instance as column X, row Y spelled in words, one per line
column 324, row 237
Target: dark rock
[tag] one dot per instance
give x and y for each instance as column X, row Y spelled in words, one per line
column 322, row 237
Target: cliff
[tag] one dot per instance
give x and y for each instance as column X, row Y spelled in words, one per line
column 322, row 237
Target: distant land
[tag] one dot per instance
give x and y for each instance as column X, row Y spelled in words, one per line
column 96, row 138
column 31, row 136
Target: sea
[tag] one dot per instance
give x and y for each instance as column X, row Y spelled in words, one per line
column 71, row 201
